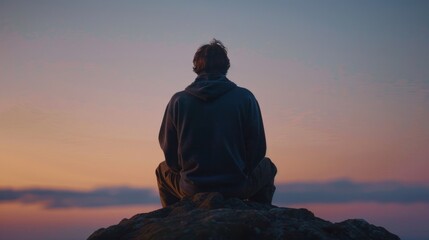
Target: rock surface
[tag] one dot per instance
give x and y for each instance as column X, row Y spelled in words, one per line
column 210, row 216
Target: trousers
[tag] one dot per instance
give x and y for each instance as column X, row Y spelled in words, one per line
column 259, row 185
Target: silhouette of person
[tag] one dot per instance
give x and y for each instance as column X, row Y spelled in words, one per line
column 213, row 138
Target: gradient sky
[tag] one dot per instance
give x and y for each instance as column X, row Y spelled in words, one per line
column 343, row 86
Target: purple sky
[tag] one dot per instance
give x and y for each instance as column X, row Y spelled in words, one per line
column 343, row 87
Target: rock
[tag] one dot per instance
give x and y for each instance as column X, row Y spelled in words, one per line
column 210, row 216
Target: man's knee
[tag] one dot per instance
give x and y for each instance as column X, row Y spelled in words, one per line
column 160, row 170
column 266, row 166
column 273, row 167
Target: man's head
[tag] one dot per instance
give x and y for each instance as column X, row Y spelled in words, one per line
column 211, row 58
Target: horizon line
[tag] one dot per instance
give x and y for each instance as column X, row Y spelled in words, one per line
column 326, row 192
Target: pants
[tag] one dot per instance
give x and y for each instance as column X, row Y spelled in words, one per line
column 259, row 186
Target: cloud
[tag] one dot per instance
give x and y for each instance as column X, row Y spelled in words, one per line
column 338, row 191
column 101, row 197
column 345, row 191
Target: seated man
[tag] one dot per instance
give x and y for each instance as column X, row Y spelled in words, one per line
column 213, row 137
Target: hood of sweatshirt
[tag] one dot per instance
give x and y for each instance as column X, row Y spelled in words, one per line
column 208, row 87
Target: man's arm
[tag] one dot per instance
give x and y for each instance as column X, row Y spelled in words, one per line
column 255, row 135
column 168, row 138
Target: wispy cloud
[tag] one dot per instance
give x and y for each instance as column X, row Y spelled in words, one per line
column 344, row 191
column 101, row 197
column 339, row 191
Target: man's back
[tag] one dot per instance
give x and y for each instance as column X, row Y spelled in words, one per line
column 220, row 135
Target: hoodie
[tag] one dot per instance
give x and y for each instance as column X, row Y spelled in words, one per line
column 212, row 134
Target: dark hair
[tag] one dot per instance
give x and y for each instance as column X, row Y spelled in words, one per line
column 211, row 58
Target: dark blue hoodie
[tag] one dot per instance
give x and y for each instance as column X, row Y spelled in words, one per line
column 213, row 135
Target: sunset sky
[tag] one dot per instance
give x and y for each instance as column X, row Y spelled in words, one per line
column 343, row 87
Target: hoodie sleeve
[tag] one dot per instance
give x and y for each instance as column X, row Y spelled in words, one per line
column 255, row 135
column 168, row 138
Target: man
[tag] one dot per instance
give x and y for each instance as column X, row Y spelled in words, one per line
column 213, row 137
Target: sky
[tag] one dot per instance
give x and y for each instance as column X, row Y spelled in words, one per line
column 343, row 88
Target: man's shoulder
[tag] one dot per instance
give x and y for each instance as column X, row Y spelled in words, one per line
column 244, row 92
column 178, row 95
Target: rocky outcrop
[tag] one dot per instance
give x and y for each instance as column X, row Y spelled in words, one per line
column 210, row 216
